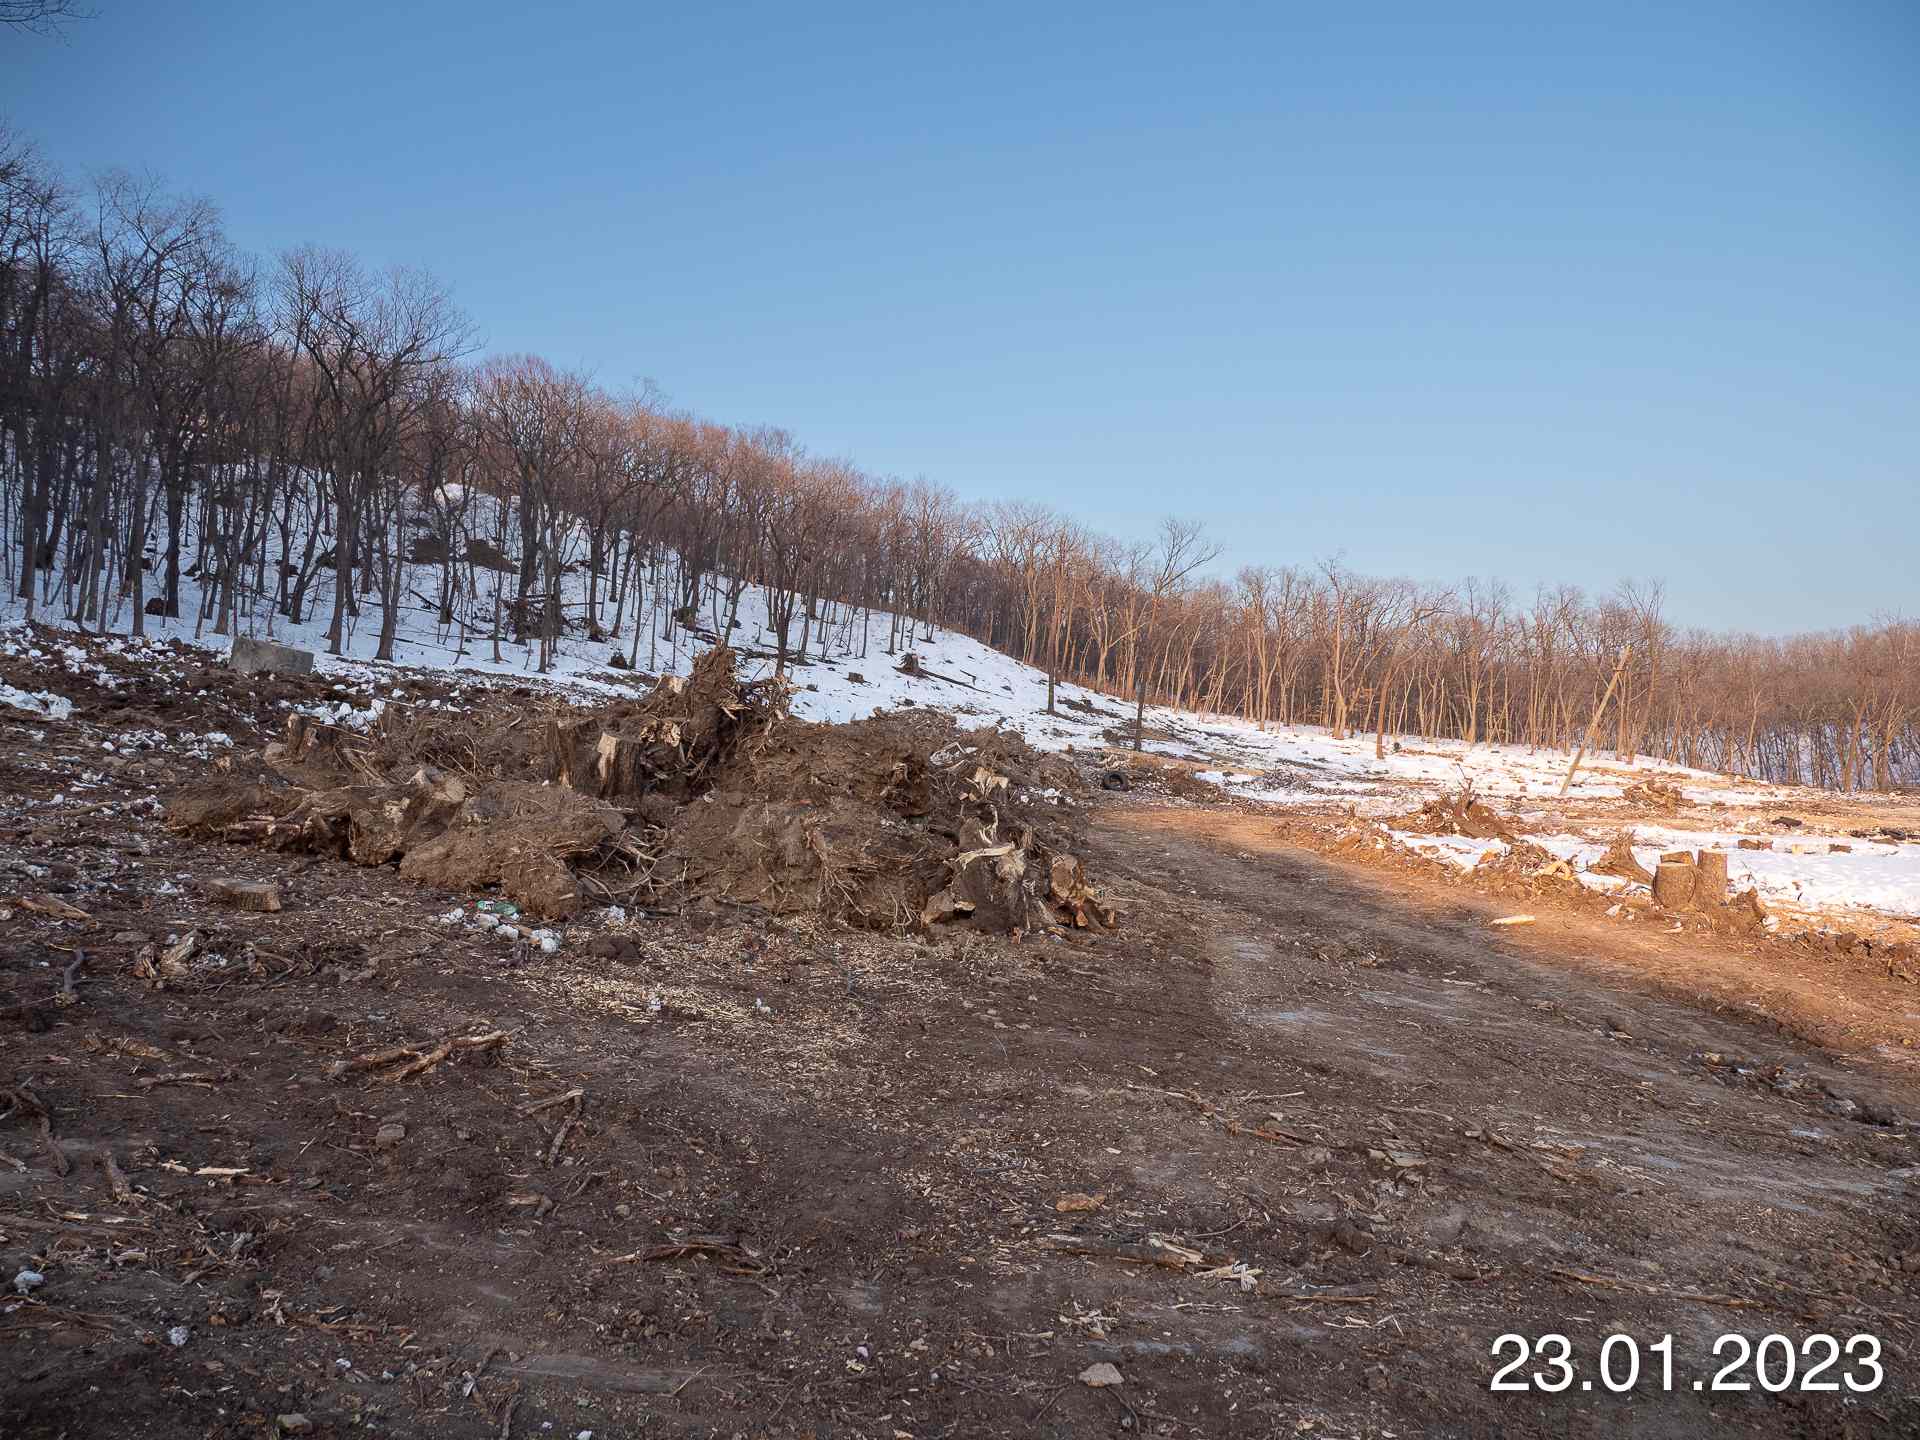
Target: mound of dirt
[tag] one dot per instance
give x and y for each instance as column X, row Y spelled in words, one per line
column 704, row 788
column 894, row 822
column 1456, row 814
column 1526, row 868
column 524, row 838
column 209, row 808
column 1156, row 773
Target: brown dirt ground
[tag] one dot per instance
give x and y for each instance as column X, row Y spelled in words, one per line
column 827, row 1213
column 1847, row 1002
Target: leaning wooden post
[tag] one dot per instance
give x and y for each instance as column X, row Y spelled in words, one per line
column 1626, row 654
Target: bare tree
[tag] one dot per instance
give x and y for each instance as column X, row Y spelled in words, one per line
column 1181, row 549
column 42, row 17
column 373, row 343
column 153, row 418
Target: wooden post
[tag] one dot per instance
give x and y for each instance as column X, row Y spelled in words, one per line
column 1626, row 654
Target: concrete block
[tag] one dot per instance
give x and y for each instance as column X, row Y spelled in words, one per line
column 258, row 657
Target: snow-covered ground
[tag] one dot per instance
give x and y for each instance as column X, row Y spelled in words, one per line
column 849, row 675
column 1807, row 875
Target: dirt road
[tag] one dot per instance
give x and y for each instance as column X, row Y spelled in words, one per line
column 1333, row 1141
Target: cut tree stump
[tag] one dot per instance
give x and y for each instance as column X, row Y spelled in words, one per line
column 1710, row 881
column 614, row 766
column 1673, row 884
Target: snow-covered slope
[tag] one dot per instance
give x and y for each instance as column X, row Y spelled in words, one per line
column 848, row 675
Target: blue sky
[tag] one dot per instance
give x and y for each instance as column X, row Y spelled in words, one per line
column 1544, row 292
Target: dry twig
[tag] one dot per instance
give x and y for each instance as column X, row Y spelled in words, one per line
column 560, row 1135
column 21, row 1097
column 116, row 1179
column 552, row 1100
column 418, row 1062
column 184, row 1077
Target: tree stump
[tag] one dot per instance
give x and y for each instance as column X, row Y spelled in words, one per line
column 593, row 762
column 1673, row 884
column 1710, row 881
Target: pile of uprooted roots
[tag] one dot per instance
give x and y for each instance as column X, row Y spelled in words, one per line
column 1458, row 813
column 704, row 788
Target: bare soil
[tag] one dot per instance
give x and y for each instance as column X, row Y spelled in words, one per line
column 812, row 1182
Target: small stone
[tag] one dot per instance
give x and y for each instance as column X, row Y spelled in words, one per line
column 623, row 1210
column 178, row 1336
column 27, row 1281
column 1100, row 1375
column 294, row 1424
column 248, row 895
column 389, row 1136
column 1352, row 1238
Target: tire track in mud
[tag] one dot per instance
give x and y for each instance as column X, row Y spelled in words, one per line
column 1560, row 1119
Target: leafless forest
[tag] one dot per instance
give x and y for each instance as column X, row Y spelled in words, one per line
column 302, row 438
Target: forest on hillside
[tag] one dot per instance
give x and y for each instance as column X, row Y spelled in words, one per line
column 303, row 437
